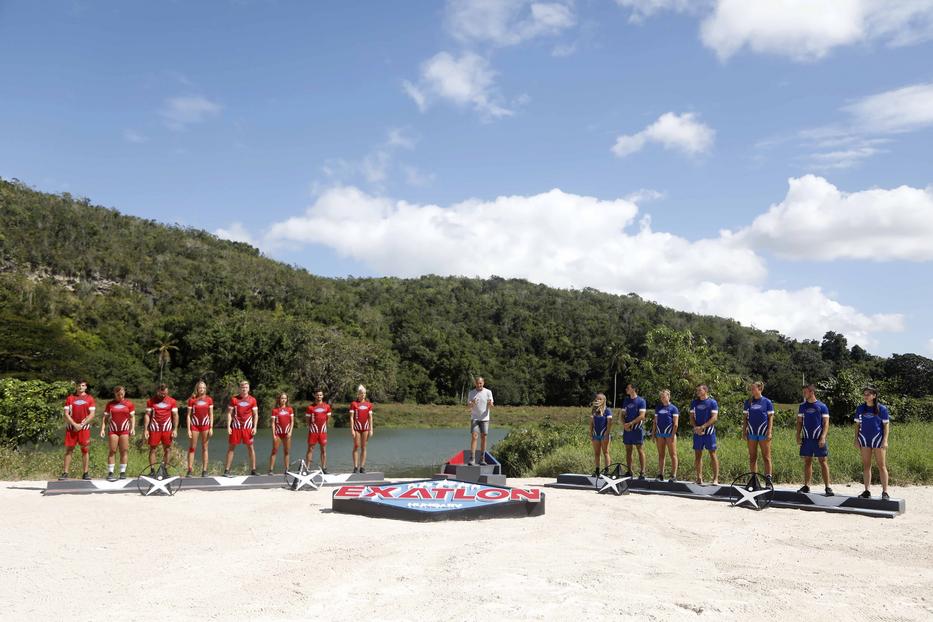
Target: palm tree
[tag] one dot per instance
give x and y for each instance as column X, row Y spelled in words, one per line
column 164, row 350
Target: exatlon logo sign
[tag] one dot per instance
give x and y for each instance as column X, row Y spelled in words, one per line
column 438, row 500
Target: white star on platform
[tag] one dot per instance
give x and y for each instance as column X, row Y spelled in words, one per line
column 750, row 496
column 314, row 479
column 611, row 483
column 156, row 484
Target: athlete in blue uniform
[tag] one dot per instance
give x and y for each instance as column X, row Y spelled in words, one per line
column 666, row 418
column 812, row 427
column 633, row 431
column 600, row 431
column 756, row 428
column 704, row 411
column 872, row 421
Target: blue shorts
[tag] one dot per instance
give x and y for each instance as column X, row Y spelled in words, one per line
column 810, row 448
column 757, row 437
column 600, row 437
column 659, row 435
column 633, row 437
column 706, row 441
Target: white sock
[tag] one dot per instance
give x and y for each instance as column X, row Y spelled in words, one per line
column 122, row 468
column 110, row 468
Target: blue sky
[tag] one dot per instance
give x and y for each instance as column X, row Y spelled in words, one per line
column 766, row 161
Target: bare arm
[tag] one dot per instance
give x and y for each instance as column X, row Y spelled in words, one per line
column 674, row 427
column 825, row 431
column 174, row 422
column 255, row 418
column 229, row 418
column 799, row 428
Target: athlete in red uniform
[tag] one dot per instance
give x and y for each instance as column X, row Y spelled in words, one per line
column 242, row 418
column 361, row 420
column 161, row 422
column 121, row 414
column 200, row 425
column 316, row 416
column 79, row 411
column 283, row 421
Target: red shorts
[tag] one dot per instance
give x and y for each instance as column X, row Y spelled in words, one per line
column 282, row 436
column 199, row 428
column 317, row 437
column 119, row 432
column 241, row 435
column 163, row 437
column 77, row 437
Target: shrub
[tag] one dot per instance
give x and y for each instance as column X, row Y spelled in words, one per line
column 30, row 410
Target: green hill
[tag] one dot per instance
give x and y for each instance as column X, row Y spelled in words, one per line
column 85, row 290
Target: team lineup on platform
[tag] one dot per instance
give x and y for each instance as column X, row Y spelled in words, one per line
column 161, row 421
column 160, row 425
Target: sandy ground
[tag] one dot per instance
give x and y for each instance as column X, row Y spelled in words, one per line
column 275, row 554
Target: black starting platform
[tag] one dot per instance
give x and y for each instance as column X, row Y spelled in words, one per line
column 437, row 500
column 459, row 467
column 750, row 491
column 148, row 486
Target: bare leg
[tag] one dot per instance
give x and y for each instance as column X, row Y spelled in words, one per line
column 641, row 458
column 252, row 456
column 628, row 458
column 597, row 450
column 69, row 451
column 807, row 470
column 662, row 448
column 288, row 452
column 672, row 449
column 275, row 450
column 881, row 459
column 824, row 468
column 323, row 455
column 766, row 454
column 364, row 438
column 714, row 459
column 698, row 465
column 753, row 456
column 229, row 460
column 605, row 447
column 866, row 466
column 205, row 442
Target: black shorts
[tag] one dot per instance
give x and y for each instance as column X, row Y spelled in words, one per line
column 479, row 426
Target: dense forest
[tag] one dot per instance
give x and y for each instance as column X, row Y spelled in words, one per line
column 85, row 290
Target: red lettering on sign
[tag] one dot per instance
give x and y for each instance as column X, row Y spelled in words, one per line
column 461, row 495
column 519, row 494
column 383, row 492
column 416, row 493
column 440, row 493
column 492, row 494
column 350, row 492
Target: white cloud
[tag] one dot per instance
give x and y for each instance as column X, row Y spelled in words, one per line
column 892, row 112
column 568, row 240
column 679, row 132
column 643, row 9
column 817, row 221
column 643, row 195
column 180, row 112
column 377, row 165
column 236, row 232
column 507, row 22
column 466, row 81
column 416, row 177
column 803, row 30
column 132, row 136
column 842, row 158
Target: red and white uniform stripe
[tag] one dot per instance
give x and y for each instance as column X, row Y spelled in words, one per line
column 363, row 411
column 242, row 412
column 120, row 416
column 283, row 417
column 160, row 419
column 317, row 418
column 200, row 409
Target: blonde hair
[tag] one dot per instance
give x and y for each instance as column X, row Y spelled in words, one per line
column 759, row 384
column 194, row 392
column 666, row 392
column 361, row 389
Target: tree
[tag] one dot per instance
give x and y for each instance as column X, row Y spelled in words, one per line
column 910, row 374
column 164, row 351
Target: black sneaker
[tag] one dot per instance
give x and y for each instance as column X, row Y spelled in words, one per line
column 671, row 480
column 885, row 496
column 362, row 469
column 227, row 473
column 253, row 472
column 482, row 462
column 829, row 492
column 270, row 473
column 356, row 469
column 111, row 477
column 865, row 494
column 86, row 476
column 188, row 474
column 768, row 479
column 804, row 489
column 323, row 470
column 203, row 473
column 659, row 478
column 470, row 463
column 151, row 472
column 596, row 473
column 63, row 476
column 122, row 474
column 641, row 476
column 627, row 474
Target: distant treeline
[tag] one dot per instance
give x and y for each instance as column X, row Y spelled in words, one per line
column 85, row 290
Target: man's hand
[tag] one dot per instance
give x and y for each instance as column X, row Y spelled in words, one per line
column 146, row 434
column 174, row 433
column 821, row 442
